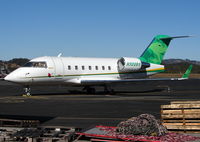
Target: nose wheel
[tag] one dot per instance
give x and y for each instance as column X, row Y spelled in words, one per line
column 27, row 91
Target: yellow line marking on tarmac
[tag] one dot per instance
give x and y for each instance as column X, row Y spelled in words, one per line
column 11, row 100
column 84, row 98
column 34, row 97
column 18, row 99
column 89, row 118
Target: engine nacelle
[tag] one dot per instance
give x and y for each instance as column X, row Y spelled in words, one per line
column 126, row 64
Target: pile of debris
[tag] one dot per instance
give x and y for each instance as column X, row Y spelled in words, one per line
column 144, row 124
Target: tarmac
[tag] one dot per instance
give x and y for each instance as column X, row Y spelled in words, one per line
column 70, row 107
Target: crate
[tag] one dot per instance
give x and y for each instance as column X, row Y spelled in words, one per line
column 18, row 123
column 181, row 116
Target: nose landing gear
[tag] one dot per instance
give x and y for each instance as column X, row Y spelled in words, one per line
column 27, row 91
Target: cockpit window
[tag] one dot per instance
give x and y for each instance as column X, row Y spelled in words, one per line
column 36, row 64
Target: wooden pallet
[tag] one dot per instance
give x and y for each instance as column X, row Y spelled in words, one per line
column 181, row 116
column 18, row 123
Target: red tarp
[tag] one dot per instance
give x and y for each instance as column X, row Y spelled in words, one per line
column 109, row 133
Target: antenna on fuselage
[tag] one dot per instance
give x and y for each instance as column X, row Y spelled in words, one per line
column 59, row 55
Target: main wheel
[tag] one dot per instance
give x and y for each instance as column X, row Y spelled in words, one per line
column 91, row 90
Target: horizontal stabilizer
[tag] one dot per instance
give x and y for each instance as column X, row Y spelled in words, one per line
column 175, row 37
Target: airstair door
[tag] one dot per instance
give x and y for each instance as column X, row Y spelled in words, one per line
column 59, row 68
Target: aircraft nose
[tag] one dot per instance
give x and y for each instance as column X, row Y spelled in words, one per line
column 10, row 77
column 17, row 76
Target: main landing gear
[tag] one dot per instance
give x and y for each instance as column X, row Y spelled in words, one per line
column 107, row 90
column 27, row 91
column 89, row 90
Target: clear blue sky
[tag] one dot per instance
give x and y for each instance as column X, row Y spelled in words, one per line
column 96, row 28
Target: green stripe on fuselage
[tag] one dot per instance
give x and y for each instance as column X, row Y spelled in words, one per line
column 150, row 71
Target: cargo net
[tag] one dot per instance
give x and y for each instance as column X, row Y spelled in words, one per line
column 144, row 124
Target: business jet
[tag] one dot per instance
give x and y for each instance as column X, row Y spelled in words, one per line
column 91, row 72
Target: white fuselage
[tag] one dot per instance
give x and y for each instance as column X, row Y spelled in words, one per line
column 73, row 70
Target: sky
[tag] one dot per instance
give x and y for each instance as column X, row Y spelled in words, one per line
column 97, row 28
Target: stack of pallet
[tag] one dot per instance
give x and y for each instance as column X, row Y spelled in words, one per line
column 181, row 116
column 18, row 123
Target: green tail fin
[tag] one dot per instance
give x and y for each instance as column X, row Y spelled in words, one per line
column 157, row 49
column 187, row 73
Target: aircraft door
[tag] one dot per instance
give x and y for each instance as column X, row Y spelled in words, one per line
column 59, row 68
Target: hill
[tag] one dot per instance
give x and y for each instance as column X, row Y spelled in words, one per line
column 171, row 65
column 8, row 66
column 180, row 65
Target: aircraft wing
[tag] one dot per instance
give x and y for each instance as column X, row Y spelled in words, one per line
column 88, row 81
column 108, row 81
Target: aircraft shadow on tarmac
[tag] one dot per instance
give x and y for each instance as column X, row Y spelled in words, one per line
column 127, row 89
column 76, row 92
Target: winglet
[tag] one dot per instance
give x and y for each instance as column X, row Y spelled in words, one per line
column 187, row 73
column 59, row 55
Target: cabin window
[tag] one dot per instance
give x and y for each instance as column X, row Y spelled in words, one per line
column 96, row 67
column 69, row 67
column 76, row 67
column 103, row 67
column 109, row 67
column 83, row 67
column 36, row 64
column 90, row 68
